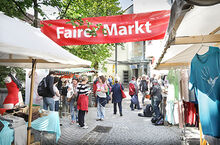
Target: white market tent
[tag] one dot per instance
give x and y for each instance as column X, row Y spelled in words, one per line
column 22, row 45
column 194, row 25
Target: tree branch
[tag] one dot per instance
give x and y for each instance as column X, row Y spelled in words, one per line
column 66, row 9
column 22, row 10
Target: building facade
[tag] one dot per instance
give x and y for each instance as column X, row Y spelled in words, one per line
column 136, row 58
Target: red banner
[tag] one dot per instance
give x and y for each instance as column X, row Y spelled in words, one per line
column 114, row 29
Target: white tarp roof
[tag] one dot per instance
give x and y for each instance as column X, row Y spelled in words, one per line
column 201, row 20
column 20, row 42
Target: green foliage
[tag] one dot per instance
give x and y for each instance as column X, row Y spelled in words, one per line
column 74, row 10
column 4, row 71
column 18, row 9
column 94, row 53
column 10, row 8
column 92, row 8
column 79, row 9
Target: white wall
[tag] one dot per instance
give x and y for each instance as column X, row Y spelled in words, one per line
column 141, row 6
column 155, row 47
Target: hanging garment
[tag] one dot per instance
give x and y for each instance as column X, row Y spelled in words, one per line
column 174, row 78
column 12, row 97
column 170, row 104
column 190, row 113
column 205, row 78
column 185, row 85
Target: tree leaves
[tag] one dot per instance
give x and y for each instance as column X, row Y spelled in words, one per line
column 97, row 54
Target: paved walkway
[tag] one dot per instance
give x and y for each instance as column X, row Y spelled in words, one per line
column 117, row 130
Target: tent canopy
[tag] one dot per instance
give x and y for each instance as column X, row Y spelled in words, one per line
column 20, row 43
column 73, row 70
column 191, row 28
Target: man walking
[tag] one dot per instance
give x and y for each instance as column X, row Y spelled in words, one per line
column 48, row 100
column 156, row 98
column 143, row 88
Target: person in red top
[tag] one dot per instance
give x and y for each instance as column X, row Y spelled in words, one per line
column 82, row 101
column 133, row 92
column 11, row 99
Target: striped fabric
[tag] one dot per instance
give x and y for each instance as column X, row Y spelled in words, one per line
column 83, row 89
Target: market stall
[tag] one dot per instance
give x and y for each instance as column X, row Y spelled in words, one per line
column 22, row 45
column 193, row 28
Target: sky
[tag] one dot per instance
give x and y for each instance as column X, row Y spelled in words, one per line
column 125, row 3
column 49, row 10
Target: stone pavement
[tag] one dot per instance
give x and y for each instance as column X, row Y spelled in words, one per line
column 117, row 130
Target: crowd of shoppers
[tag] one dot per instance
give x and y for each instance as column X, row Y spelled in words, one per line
column 74, row 96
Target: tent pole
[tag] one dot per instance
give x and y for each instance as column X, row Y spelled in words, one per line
column 31, row 101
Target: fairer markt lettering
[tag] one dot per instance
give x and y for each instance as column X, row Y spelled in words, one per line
column 109, row 30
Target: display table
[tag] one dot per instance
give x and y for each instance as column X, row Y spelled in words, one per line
column 6, row 135
column 50, row 123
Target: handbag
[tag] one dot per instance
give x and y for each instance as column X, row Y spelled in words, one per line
column 147, row 96
column 122, row 93
column 134, row 99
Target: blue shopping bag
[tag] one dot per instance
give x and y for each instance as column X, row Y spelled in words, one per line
column 134, row 99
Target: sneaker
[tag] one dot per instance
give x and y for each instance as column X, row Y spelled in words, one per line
column 85, row 127
column 101, row 119
column 72, row 122
column 121, row 114
column 98, row 119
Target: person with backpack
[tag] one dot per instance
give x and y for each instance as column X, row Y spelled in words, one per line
column 156, row 97
column 143, row 88
column 48, row 100
column 117, row 96
column 133, row 92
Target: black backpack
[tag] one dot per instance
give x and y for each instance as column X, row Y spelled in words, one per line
column 148, row 111
column 64, row 91
column 42, row 87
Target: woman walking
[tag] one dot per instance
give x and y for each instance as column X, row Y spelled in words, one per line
column 82, row 101
column 117, row 96
column 101, row 91
column 57, row 96
column 72, row 101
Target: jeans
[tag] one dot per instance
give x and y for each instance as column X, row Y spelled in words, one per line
column 119, row 106
column 156, row 109
column 57, row 103
column 100, row 111
column 48, row 101
column 73, row 111
column 143, row 96
column 132, row 104
column 81, row 117
column 65, row 104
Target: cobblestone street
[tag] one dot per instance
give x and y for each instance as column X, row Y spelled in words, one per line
column 128, row 129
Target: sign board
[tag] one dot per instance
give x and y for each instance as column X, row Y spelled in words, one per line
column 113, row 29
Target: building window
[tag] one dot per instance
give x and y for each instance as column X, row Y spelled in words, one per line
column 125, row 76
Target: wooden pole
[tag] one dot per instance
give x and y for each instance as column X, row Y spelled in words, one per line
column 116, row 59
column 31, row 102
